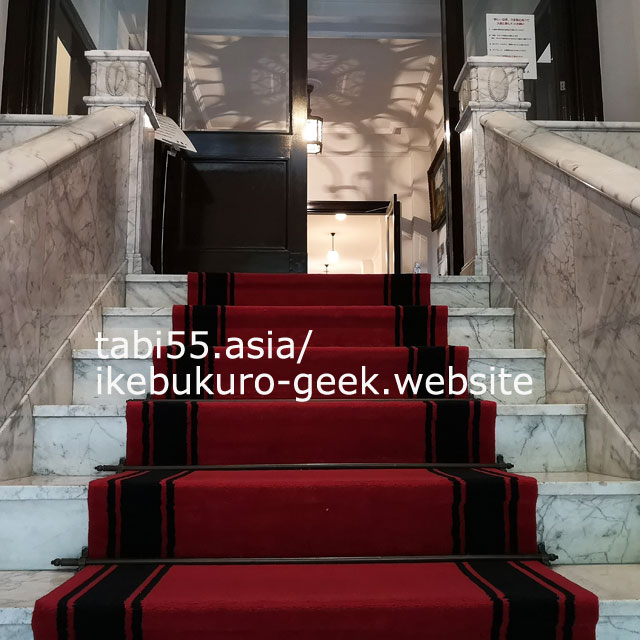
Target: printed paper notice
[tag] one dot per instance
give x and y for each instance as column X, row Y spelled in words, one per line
column 170, row 133
column 513, row 36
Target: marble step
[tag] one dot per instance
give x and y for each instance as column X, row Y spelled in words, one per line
column 71, row 440
column 617, row 588
column 88, row 366
column 167, row 290
column 584, row 518
column 474, row 328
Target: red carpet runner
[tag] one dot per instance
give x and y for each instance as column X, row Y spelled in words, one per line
column 317, row 512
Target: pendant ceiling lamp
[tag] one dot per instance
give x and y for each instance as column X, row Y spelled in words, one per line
column 333, row 256
column 313, row 128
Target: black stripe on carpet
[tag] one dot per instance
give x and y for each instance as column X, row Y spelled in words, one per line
column 136, row 604
column 415, row 323
column 529, row 601
column 216, row 289
column 62, row 613
column 570, row 602
column 498, row 606
column 140, row 516
column 402, row 289
column 456, row 523
column 429, row 360
column 170, row 434
column 100, row 613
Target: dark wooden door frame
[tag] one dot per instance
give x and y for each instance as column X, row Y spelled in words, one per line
column 583, row 15
column 453, row 59
column 350, row 207
column 30, row 52
column 166, row 45
column 25, row 56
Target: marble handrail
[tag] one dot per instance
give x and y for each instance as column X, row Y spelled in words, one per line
column 613, row 179
column 34, row 157
column 580, row 125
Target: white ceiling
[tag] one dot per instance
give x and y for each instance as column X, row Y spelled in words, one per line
column 374, row 85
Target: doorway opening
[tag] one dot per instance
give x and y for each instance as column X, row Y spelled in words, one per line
column 376, row 72
column 354, row 237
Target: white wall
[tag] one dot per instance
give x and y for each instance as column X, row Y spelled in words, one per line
column 619, row 25
column 383, row 121
column 4, row 7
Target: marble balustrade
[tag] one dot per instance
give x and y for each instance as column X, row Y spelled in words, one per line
column 63, row 217
column 16, row 128
column 618, row 140
column 564, row 238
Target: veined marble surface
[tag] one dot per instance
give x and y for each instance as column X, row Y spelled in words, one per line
column 587, row 518
column 571, row 256
column 73, row 439
column 616, row 180
column 18, row 128
column 609, row 449
column 618, row 140
column 165, row 290
column 617, row 588
column 63, row 239
column 597, row 522
column 474, row 328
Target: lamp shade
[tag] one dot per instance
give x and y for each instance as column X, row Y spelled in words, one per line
column 313, row 134
column 333, row 257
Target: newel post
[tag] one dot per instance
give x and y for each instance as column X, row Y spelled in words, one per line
column 129, row 79
column 485, row 84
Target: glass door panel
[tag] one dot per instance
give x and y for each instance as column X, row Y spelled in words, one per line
column 236, row 66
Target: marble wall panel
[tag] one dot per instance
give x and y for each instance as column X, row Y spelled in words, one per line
column 620, row 145
column 571, row 257
column 63, row 238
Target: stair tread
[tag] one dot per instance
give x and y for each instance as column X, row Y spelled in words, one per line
column 167, row 311
column 91, row 354
column 617, row 587
column 183, row 278
column 577, row 482
column 118, row 410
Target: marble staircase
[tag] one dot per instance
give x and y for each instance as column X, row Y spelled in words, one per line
column 591, row 521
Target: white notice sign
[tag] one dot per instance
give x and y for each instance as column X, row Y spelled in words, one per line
column 170, row 133
column 513, row 36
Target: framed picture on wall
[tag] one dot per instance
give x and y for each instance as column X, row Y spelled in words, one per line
column 438, row 189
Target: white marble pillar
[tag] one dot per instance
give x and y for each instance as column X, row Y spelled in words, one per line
column 129, row 79
column 485, row 84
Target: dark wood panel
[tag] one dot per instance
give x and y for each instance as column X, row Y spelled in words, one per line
column 571, row 87
column 350, row 207
column 586, row 52
column 453, row 59
column 235, row 205
column 251, row 260
column 24, row 61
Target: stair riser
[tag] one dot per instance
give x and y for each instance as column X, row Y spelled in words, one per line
column 35, row 531
column 85, row 386
column 74, row 446
column 591, row 529
column 618, row 628
column 164, row 294
column 475, row 332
